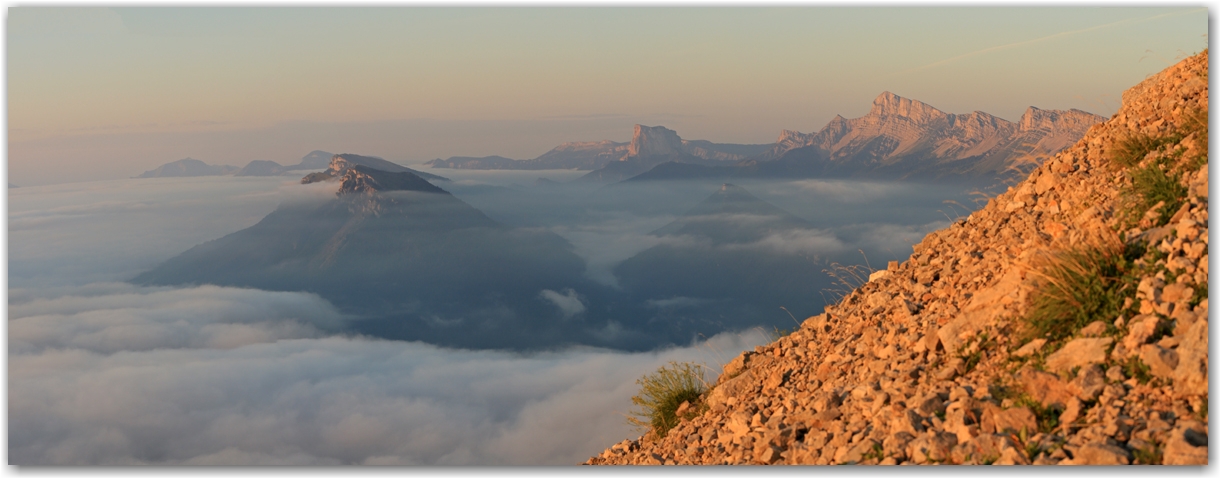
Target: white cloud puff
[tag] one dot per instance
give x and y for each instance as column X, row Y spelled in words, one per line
column 568, row 302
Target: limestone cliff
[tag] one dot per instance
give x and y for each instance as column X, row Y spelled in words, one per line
column 936, row 359
column 905, row 138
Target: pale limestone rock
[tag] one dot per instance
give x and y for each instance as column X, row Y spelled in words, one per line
column 1190, row 375
column 1161, row 361
column 1079, row 353
column 1139, row 330
column 1100, row 454
column 1046, row 388
column 1030, row 348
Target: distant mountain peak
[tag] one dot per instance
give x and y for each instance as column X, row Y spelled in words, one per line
column 654, row 141
column 187, row 167
column 889, row 104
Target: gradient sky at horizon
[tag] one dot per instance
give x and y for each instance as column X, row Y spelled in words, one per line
column 100, row 93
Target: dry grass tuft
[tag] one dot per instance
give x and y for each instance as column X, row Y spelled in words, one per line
column 1080, row 286
column 661, row 394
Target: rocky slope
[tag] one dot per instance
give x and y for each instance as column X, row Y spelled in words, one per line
column 934, row 360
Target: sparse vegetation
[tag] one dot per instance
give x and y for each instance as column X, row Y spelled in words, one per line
column 1149, row 455
column 1137, row 369
column 876, row 453
column 975, row 350
column 1131, row 150
column 846, row 279
column 777, row 333
column 1158, row 183
column 662, row 392
column 1047, row 417
column 1080, row 286
column 1152, row 185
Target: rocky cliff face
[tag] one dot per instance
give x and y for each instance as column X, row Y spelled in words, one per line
column 365, row 180
column 937, row 360
column 905, row 138
column 654, row 141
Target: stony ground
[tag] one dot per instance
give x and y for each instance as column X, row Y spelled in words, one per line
column 928, row 362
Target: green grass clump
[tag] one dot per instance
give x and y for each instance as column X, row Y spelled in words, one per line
column 1080, row 286
column 1137, row 369
column 661, row 394
column 1196, row 123
column 1152, row 185
column 1132, row 149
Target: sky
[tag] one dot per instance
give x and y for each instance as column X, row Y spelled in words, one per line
column 106, row 93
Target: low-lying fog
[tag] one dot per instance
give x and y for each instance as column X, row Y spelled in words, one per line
column 105, row 372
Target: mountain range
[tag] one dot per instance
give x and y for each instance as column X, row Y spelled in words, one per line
column 899, row 138
column 587, row 156
column 314, row 160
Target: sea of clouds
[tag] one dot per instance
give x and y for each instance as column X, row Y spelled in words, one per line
column 104, row 372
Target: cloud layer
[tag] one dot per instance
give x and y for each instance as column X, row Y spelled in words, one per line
column 104, row 372
column 212, row 375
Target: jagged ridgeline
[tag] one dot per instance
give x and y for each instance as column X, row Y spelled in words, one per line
column 1064, row 323
column 409, row 259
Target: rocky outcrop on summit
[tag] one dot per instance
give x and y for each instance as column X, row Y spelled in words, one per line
column 654, row 141
column 903, row 138
column 931, row 362
column 365, row 180
column 187, row 167
column 341, row 163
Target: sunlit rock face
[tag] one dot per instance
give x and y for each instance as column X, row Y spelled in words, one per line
column 654, row 140
column 905, row 138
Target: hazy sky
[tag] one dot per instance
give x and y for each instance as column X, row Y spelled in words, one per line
column 108, row 93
